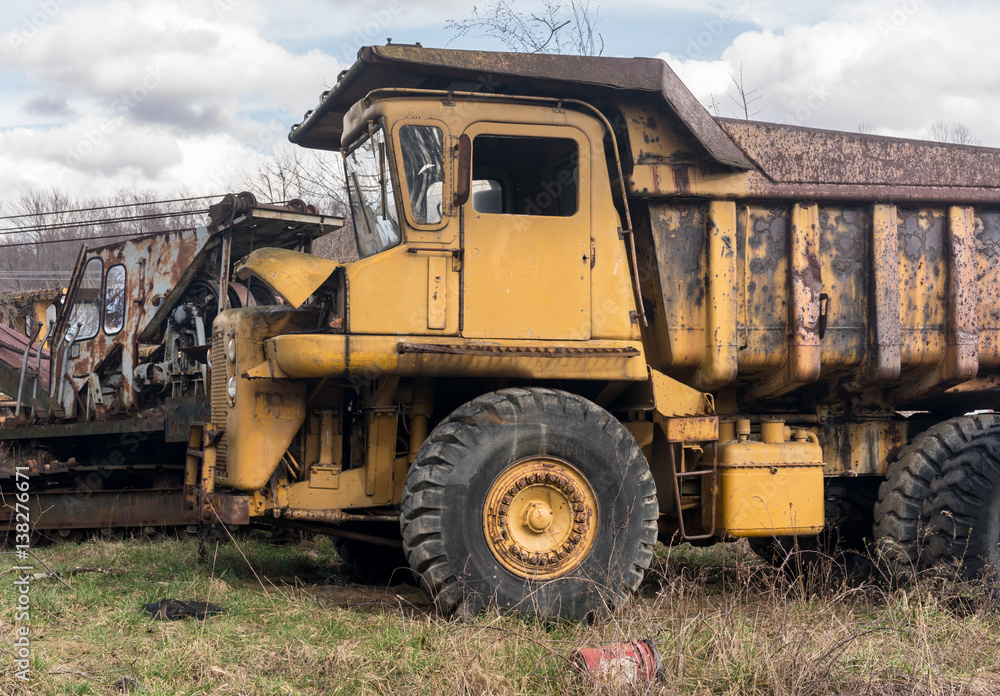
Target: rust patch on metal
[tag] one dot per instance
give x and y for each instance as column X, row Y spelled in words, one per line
column 517, row 351
column 793, row 154
column 681, row 179
column 232, row 509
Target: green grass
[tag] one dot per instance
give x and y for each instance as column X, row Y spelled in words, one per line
column 724, row 624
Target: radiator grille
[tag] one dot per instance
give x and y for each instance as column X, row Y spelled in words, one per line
column 219, row 401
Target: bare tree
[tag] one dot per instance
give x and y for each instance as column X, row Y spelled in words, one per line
column 563, row 26
column 35, row 236
column 954, row 132
column 42, row 231
column 316, row 178
column 745, row 97
column 866, row 127
column 713, row 105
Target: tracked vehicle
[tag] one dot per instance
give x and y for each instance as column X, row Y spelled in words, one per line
column 101, row 414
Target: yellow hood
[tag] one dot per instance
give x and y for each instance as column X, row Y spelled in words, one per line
column 292, row 274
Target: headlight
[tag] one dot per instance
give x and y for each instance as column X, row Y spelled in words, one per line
column 231, row 350
column 231, row 388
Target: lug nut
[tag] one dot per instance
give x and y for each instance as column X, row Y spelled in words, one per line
column 503, row 519
column 575, row 538
column 522, row 482
column 578, row 507
column 504, row 508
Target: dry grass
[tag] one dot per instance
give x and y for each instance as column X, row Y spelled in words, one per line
column 723, row 623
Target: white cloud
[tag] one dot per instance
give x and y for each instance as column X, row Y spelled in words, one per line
column 898, row 65
column 175, row 49
column 188, row 93
column 145, row 91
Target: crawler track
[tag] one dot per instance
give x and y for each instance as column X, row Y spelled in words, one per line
column 71, row 501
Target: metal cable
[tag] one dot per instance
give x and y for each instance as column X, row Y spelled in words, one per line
column 111, row 207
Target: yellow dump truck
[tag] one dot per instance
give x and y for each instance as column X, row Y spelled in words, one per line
column 588, row 315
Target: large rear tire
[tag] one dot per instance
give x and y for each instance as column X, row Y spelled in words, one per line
column 900, row 523
column 530, row 500
column 963, row 511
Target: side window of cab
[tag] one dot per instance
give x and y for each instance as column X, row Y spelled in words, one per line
column 421, row 150
column 515, row 175
column 86, row 313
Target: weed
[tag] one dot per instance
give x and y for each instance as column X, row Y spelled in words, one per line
column 723, row 622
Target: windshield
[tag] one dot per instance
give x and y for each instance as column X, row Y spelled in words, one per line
column 423, row 163
column 376, row 223
column 86, row 312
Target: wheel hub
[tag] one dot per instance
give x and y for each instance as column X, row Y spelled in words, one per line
column 540, row 518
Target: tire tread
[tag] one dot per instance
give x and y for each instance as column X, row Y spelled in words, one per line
column 446, row 447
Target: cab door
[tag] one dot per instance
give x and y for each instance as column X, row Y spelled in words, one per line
column 527, row 249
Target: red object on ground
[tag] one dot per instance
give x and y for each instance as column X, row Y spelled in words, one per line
column 635, row 662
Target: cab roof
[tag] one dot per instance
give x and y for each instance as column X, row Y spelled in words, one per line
column 588, row 78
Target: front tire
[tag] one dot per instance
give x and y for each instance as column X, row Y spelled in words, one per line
column 530, row 500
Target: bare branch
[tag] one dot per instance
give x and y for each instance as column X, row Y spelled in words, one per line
column 746, row 97
column 564, row 26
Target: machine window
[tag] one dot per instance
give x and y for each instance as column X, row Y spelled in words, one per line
column 373, row 204
column 86, row 312
column 526, row 176
column 114, row 300
column 422, row 150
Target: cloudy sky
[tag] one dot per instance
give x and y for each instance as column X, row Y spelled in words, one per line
column 96, row 95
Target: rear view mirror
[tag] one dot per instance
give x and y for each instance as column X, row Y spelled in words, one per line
column 463, row 172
